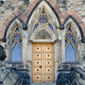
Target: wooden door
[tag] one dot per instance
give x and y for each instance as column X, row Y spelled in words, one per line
column 43, row 63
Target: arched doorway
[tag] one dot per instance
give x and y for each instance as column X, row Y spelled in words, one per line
column 43, row 35
column 43, row 65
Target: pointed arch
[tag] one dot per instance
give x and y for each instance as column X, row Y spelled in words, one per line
column 38, row 3
column 76, row 22
column 43, row 34
column 14, row 43
column 10, row 25
column 13, row 38
column 70, row 45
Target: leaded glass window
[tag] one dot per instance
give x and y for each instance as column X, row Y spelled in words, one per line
column 16, row 45
column 70, row 45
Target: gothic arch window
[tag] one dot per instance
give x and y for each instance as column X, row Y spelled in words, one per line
column 70, row 45
column 16, row 45
column 43, row 29
column 43, row 19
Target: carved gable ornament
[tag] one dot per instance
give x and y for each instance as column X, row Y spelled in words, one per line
column 43, row 34
column 43, row 31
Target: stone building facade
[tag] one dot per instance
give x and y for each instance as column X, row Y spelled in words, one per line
column 41, row 31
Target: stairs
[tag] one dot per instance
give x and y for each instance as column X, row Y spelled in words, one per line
column 43, row 83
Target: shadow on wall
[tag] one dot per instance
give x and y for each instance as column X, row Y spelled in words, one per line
column 71, row 75
column 13, row 75
column 24, row 78
column 2, row 53
column 1, row 2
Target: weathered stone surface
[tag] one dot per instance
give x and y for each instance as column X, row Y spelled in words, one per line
column 22, row 8
column 9, row 7
column 78, row 6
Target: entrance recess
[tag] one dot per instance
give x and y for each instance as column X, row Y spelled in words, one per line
column 43, row 63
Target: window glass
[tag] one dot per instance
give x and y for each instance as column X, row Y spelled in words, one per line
column 16, row 46
column 70, row 45
column 70, row 53
column 16, row 53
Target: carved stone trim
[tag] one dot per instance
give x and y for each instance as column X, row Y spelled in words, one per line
column 43, row 34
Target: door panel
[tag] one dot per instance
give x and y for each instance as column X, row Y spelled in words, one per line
column 43, row 63
column 37, row 48
column 49, row 63
column 49, row 78
column 49, row 55
column 37, row 63
column 49, row 70
column 37, row 56
column 37, row 78
column 37, row 70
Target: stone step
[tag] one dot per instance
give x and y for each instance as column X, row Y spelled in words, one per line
column 43, row 83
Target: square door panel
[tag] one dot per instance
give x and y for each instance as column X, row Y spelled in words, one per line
column 49, row 63
column 37, row 70
column 38, row 49
column 37, row 63
column 49, row 56
column 48, row 49
column 50, row 78
column 49, row 70
column 37, row 56
column 37, row 78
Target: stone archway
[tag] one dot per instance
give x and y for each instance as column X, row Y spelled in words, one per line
column 43, row 65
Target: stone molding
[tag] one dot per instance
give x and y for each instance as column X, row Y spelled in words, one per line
column 30, row 9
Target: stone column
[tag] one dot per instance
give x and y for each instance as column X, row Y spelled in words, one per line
column 63, row 56
column 24, row 48
column 56, row 56
column 79, row 51
column 29, row 59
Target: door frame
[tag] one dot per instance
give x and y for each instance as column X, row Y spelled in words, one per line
column 53, row 60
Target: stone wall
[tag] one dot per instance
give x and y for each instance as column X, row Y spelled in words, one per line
column 78, row 6
column 9, row 7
